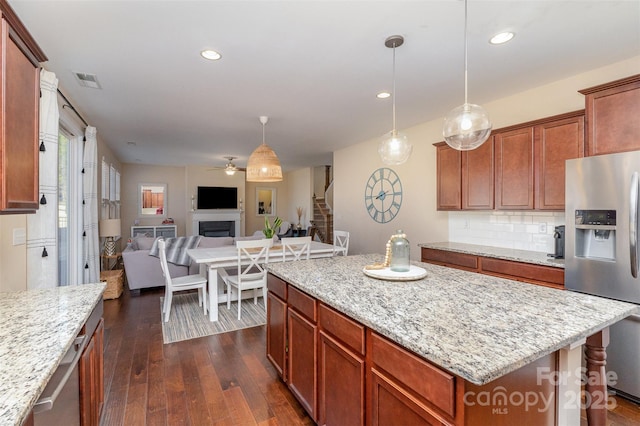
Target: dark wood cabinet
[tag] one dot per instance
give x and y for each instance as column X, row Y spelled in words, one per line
column 514, row 169
column 520, row 167
column 478, row 177
column 406, row 389
column 341, row 370
column 361, row 377
column 449, row 167
column 91, row 371
column 277, row 324
column 302, row 362
column 548, row 276
column 555, row 142
column 612, row 112
column 19, row 115
column 302, row 344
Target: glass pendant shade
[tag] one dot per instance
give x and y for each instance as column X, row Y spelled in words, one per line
column 394, row 148
column 466, row 127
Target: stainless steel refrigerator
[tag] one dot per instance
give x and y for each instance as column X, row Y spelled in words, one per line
column 601, row 253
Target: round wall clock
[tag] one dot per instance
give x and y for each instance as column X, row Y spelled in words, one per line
column 383, row 195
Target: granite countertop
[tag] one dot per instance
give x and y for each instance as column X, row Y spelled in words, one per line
column 37, row 327
column 515, row 255
column 476, row 326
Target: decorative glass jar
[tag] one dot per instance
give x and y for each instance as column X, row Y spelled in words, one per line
column 400, row 252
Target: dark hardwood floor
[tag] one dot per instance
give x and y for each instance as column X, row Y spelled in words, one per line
column 217, row 380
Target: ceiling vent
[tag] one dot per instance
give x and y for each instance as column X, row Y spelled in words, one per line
column 87, row 80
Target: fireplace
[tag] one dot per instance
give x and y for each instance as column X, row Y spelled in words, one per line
column 216, row 223
column 217, row 228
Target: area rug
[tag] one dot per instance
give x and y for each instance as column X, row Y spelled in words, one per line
column 188, row 321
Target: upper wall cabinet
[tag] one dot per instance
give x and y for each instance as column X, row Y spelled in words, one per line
column 556, row 142
column 19, row 105
column 612, row 112
column 449, row 166
column 519, row 168
column 478, row 177
column 514, row 169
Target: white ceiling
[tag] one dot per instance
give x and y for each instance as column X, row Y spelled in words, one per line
column 313, row 67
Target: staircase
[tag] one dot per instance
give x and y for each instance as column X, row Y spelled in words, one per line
column 322, row 220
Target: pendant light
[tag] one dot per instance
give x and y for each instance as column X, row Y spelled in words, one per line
column 263, row 164
column 394, row 148
column 467, row 126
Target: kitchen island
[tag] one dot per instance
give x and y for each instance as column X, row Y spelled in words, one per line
column 474, row 331
column 37, row 328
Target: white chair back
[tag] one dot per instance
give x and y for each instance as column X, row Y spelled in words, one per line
column 298, row 247
column 341, row 243
column 162, row 251
column 253, row 255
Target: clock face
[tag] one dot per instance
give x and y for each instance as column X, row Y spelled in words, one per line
column 383, row 195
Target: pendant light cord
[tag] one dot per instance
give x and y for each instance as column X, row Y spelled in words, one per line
column 465, row 52
column 394, row 90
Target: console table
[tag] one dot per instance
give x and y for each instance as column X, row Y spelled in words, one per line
column 167, row 231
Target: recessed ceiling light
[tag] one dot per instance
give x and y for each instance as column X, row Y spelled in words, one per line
column 131, row 143
column 212, row 55
column 502, row 37
column 383, row 95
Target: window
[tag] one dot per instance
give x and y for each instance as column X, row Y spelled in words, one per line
column 69, row 213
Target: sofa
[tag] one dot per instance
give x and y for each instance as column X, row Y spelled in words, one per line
column 144, row 271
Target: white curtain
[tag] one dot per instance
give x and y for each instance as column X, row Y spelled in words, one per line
column 90, row 207
column 42, row 227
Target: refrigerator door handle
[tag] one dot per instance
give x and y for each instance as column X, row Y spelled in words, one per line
column 633, row 225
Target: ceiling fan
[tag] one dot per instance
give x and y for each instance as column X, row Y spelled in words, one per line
column 230, row 168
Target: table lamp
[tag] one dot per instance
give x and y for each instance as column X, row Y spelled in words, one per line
column 109, row 228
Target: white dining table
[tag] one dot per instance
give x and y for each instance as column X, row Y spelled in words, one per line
column 210, row 259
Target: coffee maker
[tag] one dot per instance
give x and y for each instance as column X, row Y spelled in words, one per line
column 558, row 236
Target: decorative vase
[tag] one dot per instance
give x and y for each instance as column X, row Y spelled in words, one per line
column 298, row 226
column 400, row 252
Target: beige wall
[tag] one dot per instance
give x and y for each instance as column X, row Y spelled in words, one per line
column 299, row 191
column 13, row 259
column 418, row 216
column 175, row 198
column 253, row 222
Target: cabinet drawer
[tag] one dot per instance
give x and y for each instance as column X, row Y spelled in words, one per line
column 463, row 260
column 276, row 286
column 427, row 381
column 523, row 271
column 302, row 303
column 343, row 328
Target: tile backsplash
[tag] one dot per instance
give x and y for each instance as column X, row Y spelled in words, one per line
column 509, row 229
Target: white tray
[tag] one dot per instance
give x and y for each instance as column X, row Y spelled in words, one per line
column 414, row 273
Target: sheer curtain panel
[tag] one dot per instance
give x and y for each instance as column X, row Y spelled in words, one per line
column 90, row 208
column 42, row 251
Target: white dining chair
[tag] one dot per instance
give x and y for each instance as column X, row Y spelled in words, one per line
column 253, row 255
column 298, row 247
column 187, row 282
column 340, row 243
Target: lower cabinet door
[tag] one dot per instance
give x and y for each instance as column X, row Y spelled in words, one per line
column 91, row 372
column 391, row 404
column 341, row 377
column 302, row 364
column 276, row 333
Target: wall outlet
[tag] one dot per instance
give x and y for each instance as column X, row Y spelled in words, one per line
column 542, row 228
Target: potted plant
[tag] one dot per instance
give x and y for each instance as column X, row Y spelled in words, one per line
column 270, row 229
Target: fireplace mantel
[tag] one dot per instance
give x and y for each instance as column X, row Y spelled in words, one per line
column 215, row 215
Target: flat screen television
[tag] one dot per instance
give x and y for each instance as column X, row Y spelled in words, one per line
column 217, row 197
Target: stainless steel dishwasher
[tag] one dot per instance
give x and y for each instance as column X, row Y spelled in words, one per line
column 59, row 403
